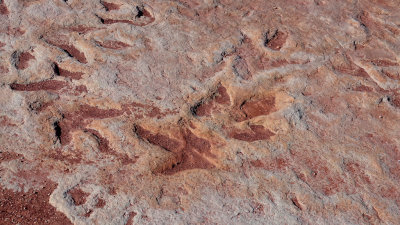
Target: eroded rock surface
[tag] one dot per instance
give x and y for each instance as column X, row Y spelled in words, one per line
column 199, row 112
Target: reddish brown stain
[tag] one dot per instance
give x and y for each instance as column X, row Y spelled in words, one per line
column 72, row 158
column 100, row 203
column 396, row 101
column 65, row 73
column 113, row 44
column 321, row 177
column 39, row 106
column 391, row 156
column 222, row 96
column 390, row 192
column 351, row 69
column 330, row 104
column 190, row 155
column 48, row 85
column 130, row 218
column 111, row 21
column 15, row 31
column 258, row 107
column 147, row 14
column 148, row 110
column 363, row 88
column 365, row 19
column 254, row 58
column 358, row 173
column 81, row 29
column 112, row 190
column 134, row 105
column 360, row 72
column 88, row 111
column 88, row 213
column 333, row 185
column 383, row 62
column 279, row 164
column 34, row 176
column 8, row 156
column 23, row 60
column 79, row 119
column 5, row 121
column 102, row 142
column 78, row 196
column 155, row 112
column 257, row 163
column 3, row 69
column 70, row 49
column 2, row 44
column 258, row 208
column 74, row 52
column 81, row 89
column 110, row 6
column 193, row 142
column 279, row 63
column 158, row 139
column 104, row 147
column 276, row 41
column 187, row 161
column 125, row 159
column 30, row 207
column 3, row 8
column 391, row 75
column 256, row 133
column 284, row 62
column 204, row 108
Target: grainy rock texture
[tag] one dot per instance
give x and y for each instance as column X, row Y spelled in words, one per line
column 199, row 112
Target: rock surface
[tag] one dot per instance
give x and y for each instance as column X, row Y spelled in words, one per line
column 199, row 112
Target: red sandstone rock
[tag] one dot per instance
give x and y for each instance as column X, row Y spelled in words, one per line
column 47, row 85
column 110, row 6
column 3, row 8
column 275, row 40
column 100, row 203
column 199, row 112
column 254, row 108
column 23, row 60
column 113, row 44
column 255, row 133
column 78, row 196
column 30, row 208
column 70, row 49
column 65, row 73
